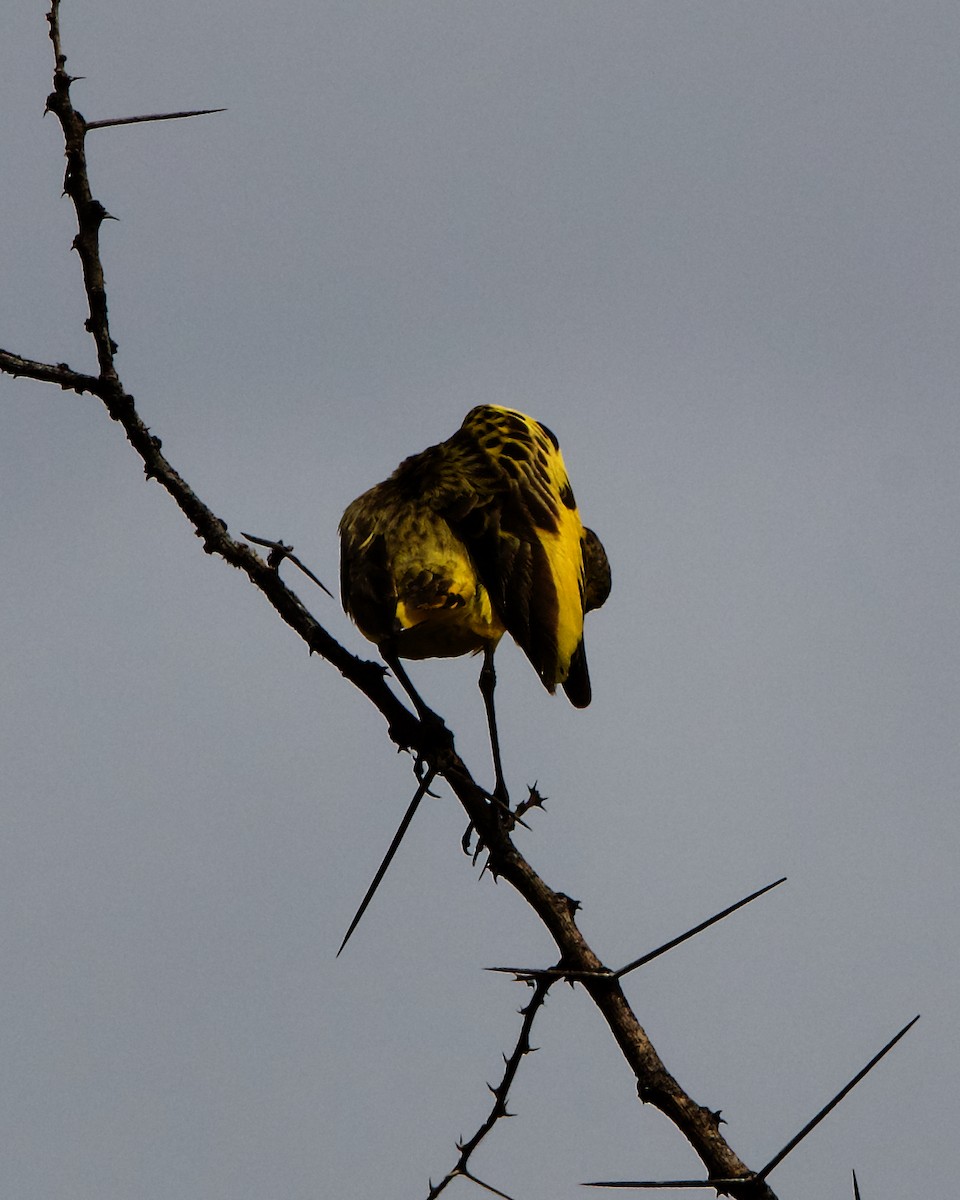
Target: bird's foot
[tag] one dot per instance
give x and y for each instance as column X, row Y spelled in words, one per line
column 506, row 818
column 433, row 740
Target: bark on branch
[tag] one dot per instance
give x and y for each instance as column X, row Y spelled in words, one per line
column 655, row 1085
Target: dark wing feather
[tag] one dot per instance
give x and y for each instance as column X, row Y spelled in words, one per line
column 596, row 569
column 497, row 519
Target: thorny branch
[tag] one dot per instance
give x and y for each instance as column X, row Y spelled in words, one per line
column 655, row 1085
column 541, row 981
column 534, row 973
column 500, row 1093
column 781, row 1154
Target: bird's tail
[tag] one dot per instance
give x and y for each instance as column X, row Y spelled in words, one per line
column 577, row 682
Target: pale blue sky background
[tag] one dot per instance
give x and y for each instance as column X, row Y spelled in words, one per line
column 715, row 246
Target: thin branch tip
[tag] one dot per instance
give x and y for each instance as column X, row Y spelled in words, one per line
column 558, row 913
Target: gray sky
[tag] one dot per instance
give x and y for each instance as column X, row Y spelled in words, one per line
column 714, row 246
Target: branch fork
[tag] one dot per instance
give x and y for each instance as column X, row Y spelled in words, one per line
column 578, row 963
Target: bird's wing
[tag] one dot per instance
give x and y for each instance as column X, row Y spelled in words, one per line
column 504, row 492
column 367, row 587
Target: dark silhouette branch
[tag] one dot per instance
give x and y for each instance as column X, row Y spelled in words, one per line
column 59, row 373
column 500, row 1093
column 90, row 213
column 654, row 1083
column 781, row 1154
column 409, row 730
column 561, row 972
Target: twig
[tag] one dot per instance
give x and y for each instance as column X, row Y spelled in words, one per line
column 654, row 1083
column 760, row 1176
column 59, row 373
column 500, row 1093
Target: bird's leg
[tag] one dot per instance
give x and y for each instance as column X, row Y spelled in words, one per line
column 488, row 682
column 392, row 659
column 432, row 722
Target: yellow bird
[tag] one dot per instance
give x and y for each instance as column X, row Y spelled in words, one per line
column 474, row 537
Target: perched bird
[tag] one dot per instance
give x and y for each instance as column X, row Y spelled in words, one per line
column 474, row 537
column 470, row 539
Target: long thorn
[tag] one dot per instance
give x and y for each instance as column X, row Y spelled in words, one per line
column 651, row 1185
column 175, row 116
column 279, row 551
column 779, row 1157
column 388, row 857
column 760, row 1176
column 639, row 962
column 524, row 974
column 487, row 1187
